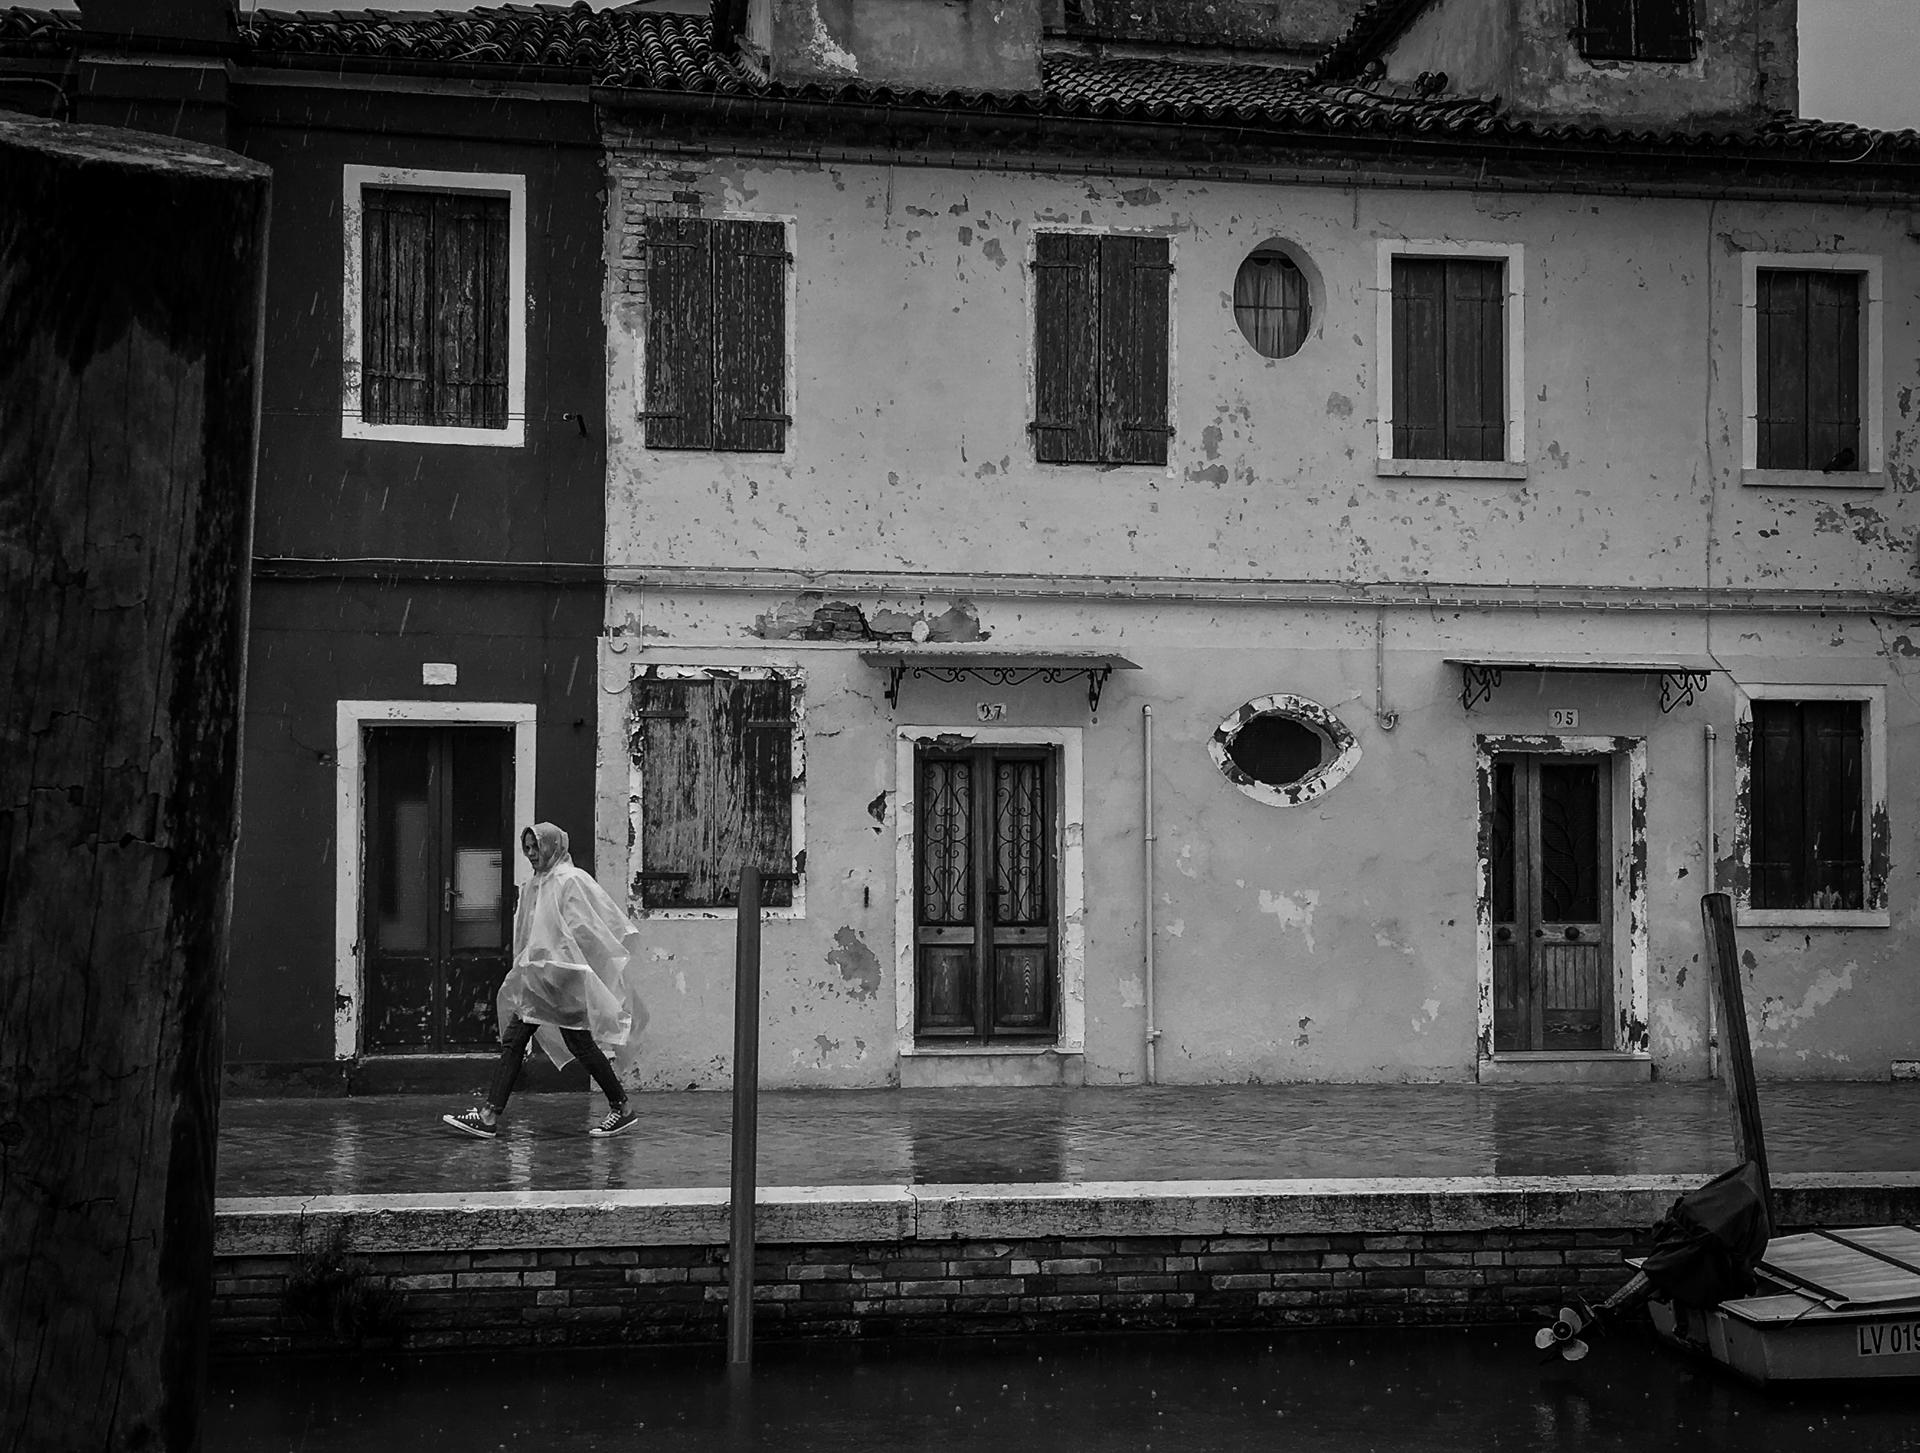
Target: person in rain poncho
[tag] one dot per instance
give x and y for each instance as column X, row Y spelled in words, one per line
column 570, row 988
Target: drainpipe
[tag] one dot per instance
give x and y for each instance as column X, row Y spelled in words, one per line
column 1146, row 916
column 1713, row 1007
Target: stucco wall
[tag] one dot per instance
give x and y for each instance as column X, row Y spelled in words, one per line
column 1334, row 941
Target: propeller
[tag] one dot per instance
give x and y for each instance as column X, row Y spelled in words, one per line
column 1564, row 1335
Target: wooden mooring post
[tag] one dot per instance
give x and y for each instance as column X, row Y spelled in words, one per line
column 746, row 1121
column 1750, row 1143
column 131, row 273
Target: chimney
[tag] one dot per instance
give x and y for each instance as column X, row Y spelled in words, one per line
column 157, row 65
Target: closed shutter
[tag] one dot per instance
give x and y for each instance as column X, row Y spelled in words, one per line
column 1134, row 272
column 1476, row 406
column 1780, row 367
column 1663, row 30
column 1419, row 358
column 1066, row 348
column 679, row 334
column 716, row 765
column 396, row 230
column 1835, row 845
column 749, row 336
column 469, row 376
column 1606, row 29
column 1833, row 370
column 1779, row 806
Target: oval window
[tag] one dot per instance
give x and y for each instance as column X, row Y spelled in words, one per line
column 1270, row 302
column 1284, row 750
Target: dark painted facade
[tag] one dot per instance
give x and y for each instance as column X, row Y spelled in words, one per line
column 383, row 564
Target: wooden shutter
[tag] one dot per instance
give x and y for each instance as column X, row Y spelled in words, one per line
column 1133, row 350
column 749, row 335
column 396, row 229
column 1606, row 29
column 1780, row 368
column 1833, row 736
column 1663, row 30
column 716, row 763
column 679, row 384
column 1066, row 348
column 1419, row 358
column 1833, row 370
column 1476, row 405
column 469, row 347
column 1776, row 867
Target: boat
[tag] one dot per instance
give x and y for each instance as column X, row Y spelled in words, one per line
column 1820, row 1306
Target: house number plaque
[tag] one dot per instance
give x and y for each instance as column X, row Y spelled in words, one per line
column 991, row 710
column 1563, row 718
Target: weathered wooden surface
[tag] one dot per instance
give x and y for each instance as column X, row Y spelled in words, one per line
column 1716, row 918
column 130, row 312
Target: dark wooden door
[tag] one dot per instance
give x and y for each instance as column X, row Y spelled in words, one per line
column 984, row 894
column 1552, row 903
column 436, row 910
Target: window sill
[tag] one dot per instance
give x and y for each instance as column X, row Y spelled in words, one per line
column 1813, row 479
column 513, row 436
column 1746, row 917
column 1449, row 469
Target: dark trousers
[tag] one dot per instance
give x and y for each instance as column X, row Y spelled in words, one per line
column 513, row 1054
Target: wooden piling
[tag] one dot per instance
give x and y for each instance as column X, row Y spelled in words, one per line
column 746, row 1121
column 1716, row 917
column 131, row 273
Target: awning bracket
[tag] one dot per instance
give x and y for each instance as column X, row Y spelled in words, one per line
column 1095, row 672
column 1677, row 688
column 1477, row 683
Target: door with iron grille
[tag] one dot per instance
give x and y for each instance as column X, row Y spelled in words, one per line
column 984, row 894
column 1551, row 881
column 436, row 906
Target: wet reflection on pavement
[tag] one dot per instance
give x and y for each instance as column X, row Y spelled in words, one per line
column 392, row 1144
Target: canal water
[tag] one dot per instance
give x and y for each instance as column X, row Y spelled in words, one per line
column 1397, row 1391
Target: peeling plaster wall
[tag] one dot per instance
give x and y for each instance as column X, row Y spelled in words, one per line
column 1746, row 63
column 1332, row 941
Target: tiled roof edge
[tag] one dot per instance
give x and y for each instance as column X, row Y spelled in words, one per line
column 1373, row 27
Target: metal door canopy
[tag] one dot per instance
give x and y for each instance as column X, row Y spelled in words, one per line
column 999, row 666
column 1681, row 677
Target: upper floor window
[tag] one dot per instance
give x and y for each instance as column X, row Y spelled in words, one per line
column 1100, row 348
column 1636, row 30
column 435, row 307
column 1271, row 303
column 716, row 350
column 1811, row 369
column 1450, row 378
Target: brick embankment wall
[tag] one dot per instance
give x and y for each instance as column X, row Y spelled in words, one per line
column 650, row 1267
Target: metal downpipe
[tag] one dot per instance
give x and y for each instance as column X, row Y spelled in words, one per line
column 1146, row 855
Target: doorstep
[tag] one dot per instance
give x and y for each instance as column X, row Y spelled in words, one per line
column 1567, row 1067
column 961, row 1066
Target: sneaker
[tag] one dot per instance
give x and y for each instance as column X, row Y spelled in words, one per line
column 471, row 1124
column 616, row 1121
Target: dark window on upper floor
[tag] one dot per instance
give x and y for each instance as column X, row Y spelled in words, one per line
column 1808, row 791
column 716, row 334
column 1636, row 30
column 1449, row 358
column 1270, row 303
column 1100, row 349
column 434, row 288
column 1807, row 369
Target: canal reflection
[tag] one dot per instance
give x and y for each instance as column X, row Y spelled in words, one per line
column 1438, row 1391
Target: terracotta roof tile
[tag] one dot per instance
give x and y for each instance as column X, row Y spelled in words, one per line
column 639, row 51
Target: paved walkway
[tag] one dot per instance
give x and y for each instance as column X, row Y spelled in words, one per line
column 396, row 1144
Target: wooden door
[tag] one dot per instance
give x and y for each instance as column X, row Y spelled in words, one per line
column 984, row 890
column 436, row 907
column 1551, row 882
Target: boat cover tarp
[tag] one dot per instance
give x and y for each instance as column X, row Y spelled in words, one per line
column 1706, row 1247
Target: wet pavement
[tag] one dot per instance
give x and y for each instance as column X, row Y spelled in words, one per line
column 1439, row 1391
column 395, row 1144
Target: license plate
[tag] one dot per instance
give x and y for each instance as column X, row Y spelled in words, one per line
column 1887, row 1339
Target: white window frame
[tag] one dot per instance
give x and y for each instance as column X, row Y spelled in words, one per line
column 1029, row 259
column 1514, row 464
column 351, row 719
column 790, row 384
column 1873, row 452
column 636, row 784
column 1874, row 911
column 352, row 319
column 1071, row 1030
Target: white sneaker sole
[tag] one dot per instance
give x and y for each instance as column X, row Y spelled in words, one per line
column 465, row 1129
